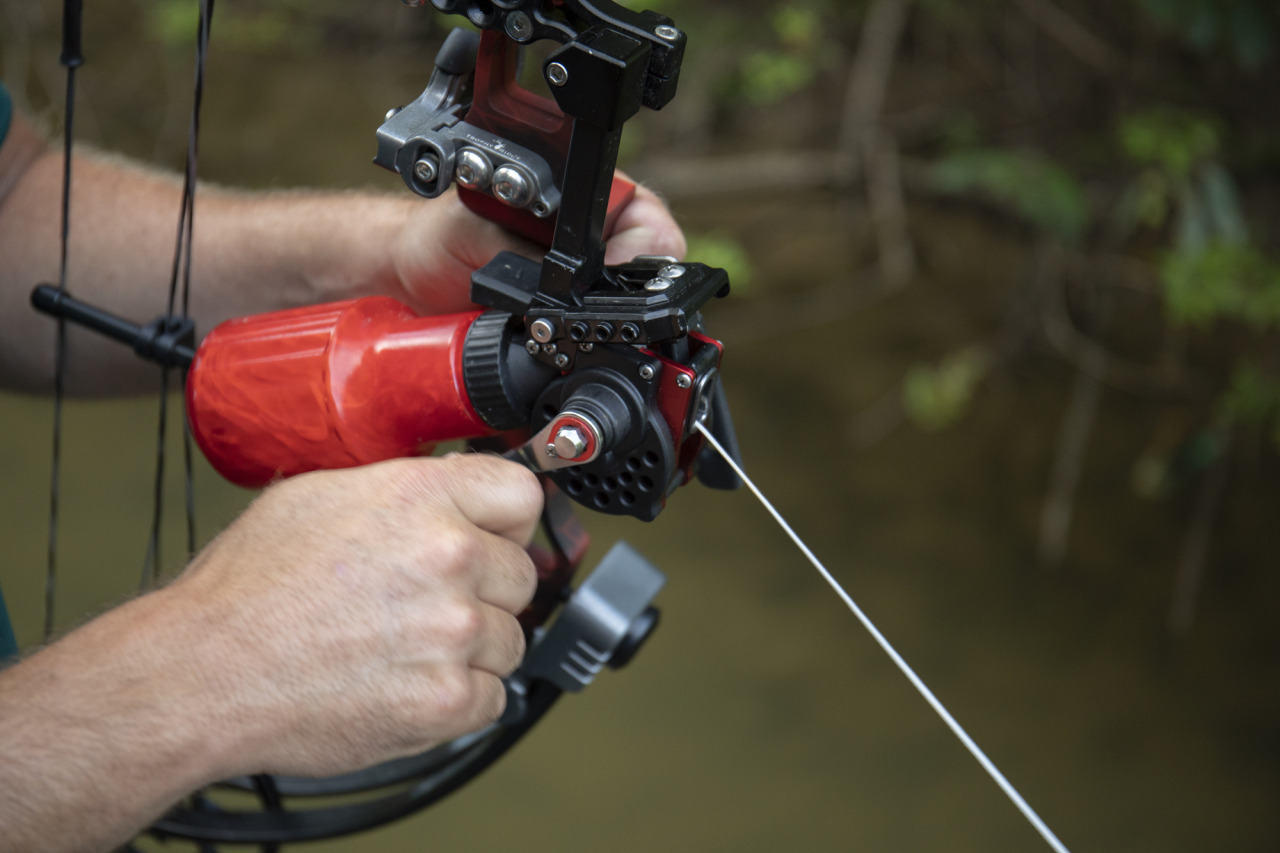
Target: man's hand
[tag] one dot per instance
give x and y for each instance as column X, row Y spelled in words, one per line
column 370, row 613
column 346, row 618
column 438, row 248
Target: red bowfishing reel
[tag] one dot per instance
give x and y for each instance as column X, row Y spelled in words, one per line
column 604, row 367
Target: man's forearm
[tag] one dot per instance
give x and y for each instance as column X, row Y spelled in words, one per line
column 253, row 252
column 105, row 729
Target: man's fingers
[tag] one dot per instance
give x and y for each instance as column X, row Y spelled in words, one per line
column 500, row 645
column 644, row 227
column 506, row 578
column 494, row 494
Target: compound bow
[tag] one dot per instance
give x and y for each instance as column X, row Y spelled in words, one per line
column 594, row 376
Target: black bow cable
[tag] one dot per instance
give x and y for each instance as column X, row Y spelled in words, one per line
column 72, row 58
column 181, row 266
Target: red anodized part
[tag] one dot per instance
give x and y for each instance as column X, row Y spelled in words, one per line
column 500, row 105
column 328, row 386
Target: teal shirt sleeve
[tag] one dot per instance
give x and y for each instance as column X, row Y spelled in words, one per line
column 8, row 645
column 6, row 112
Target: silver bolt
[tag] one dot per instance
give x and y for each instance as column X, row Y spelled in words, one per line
column 549, row 349
column 551, row 450
column 683, row 380
column 562, row 361
column 519, row 27
column 672, row 271
column 646, row 371
column 512, row 187
column 586, row 346
column 666, row 32
column 531, row 347
column 426, row 169
column 473, row 170
column 391, row 112
column 570, row 443
column 557, row 74
column 542, row 330
column 657, row 285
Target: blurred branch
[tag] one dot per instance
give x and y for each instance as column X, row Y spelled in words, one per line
column 1070, row 33
column 1195, row 547
column 760, row 173
column 889, row 212
column 1077, row 426
column 869, row 80
column 1152, row 381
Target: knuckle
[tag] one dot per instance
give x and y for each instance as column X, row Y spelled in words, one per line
column 461, row 627
column 452, row 693
column 453, row 550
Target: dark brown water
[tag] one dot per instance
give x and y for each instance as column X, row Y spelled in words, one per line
column 761, row 717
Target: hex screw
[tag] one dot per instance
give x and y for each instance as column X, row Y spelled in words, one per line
column 519, row 27
column 683, row 380
column 512, row 187
column 666, row 32
column 531, row 347
column 562, row 361
column 426, row 169
column 646, row 371
column 473, row 170
column 557, row 74
column 542, row 330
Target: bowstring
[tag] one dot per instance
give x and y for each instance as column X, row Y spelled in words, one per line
column 180, row 271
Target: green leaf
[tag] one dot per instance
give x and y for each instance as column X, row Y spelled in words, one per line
column 935, row 397
column 719, row 249
column 1223, row 281
column 1173, row 140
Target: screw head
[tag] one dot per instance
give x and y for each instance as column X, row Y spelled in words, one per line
column 426, row 169
column 473, row 169
column 562, row 361
column 569, row 442
column 672, row 271
column 557, row 74
column 657, row 285
column 531, row 347
column 542, row 330
column 551, row 449
column 586, row 346
column 646, row 371
column 683, row 380
column 512, row 187
column 519, row 27
column 391, row 112
column 666, row 32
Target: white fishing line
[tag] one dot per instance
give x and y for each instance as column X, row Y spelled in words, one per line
column 956, row 729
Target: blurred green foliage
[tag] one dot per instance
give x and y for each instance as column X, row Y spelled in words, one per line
column 936, row 396
column 1026, row 182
